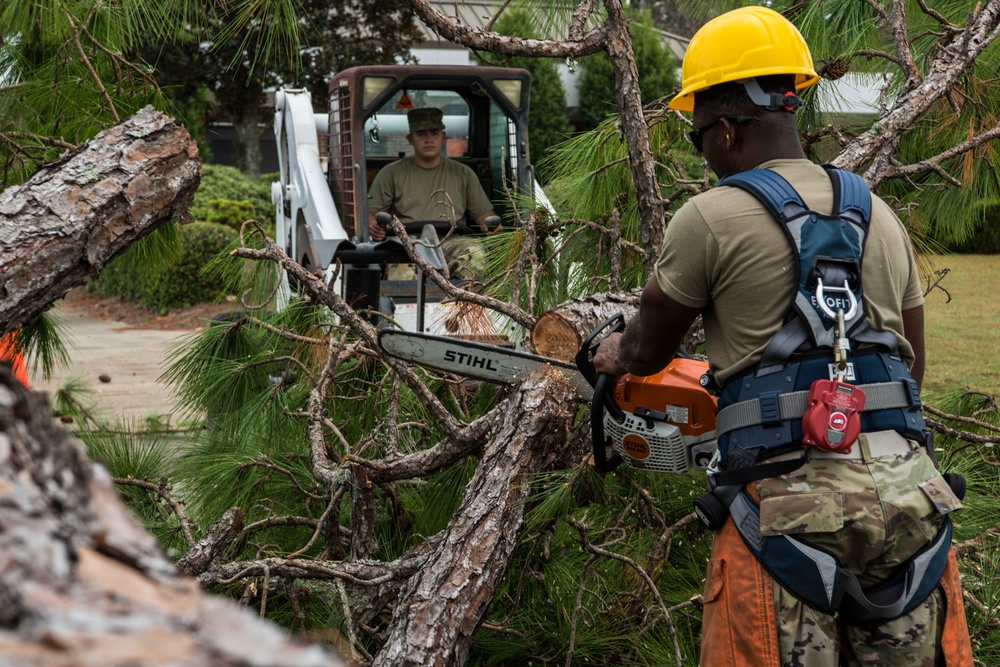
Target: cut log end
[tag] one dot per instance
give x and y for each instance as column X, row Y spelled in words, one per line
column 553, row 336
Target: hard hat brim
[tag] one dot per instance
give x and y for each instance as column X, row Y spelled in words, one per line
column 684, row 100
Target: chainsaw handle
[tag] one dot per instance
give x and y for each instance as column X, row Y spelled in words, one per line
column 599, row 440
column 602, row 385
column 585, row 363
column 585, row 357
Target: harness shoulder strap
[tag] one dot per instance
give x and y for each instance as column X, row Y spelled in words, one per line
column 851, row 197
column 852, row 200
column 771, row 190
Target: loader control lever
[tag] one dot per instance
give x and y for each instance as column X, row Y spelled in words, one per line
column 602, row 385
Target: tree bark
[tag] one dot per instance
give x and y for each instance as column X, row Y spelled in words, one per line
column 560, row 332
column 445, row 601
column 58, row 229
column 636, row 132
column 248, row 153
column 82, row 583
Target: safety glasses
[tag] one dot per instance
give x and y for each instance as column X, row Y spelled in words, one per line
column 698, row 134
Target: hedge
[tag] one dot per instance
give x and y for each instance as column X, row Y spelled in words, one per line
column 165, row 285
column 228, row 197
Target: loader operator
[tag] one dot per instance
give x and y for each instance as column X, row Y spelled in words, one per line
column 429, row 186
column 881, row 586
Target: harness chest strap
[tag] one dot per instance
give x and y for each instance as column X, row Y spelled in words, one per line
column 775, row 407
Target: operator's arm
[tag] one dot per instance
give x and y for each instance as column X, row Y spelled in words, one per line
column 481, row 222
column 913, row 331
column 651, row 338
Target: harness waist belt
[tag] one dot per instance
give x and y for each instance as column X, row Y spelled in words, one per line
column 792, row 405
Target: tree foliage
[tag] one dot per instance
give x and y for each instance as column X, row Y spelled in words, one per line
column 223, row 57
column 654, row 61
column 63, row 78
column 412, row 517
column 547, row 121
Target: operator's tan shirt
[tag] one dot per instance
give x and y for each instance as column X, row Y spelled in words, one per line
column 724, row 252
column 446, row 192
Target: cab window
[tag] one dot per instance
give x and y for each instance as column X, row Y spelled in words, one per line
column 386, row 129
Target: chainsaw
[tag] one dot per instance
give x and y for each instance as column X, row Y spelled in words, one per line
column 662, row 423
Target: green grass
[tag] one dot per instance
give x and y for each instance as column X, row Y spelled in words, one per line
column 963, row 334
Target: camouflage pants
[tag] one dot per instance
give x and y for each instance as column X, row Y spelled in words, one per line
column 465, row 257
column 872, row 514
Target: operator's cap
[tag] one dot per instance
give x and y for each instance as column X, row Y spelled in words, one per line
column 425, row 119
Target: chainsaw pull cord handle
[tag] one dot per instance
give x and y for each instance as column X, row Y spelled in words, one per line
column 602, row 385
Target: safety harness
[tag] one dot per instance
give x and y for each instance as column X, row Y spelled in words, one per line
column 800, row 397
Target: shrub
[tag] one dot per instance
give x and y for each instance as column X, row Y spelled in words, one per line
column 164, row 285
column 548, row 123
column 228, row 197
column 653, row 60
column 985, row 239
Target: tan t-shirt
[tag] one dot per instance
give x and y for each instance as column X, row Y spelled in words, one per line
column 417, row 194
column 722, row 250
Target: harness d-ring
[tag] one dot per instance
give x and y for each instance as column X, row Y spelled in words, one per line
column 821, row 300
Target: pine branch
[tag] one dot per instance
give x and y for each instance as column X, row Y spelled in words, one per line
column 897, row 25
column 318, row 289
column 456, row 293
column 959, row 418
column 589, row 42
column 214, row 542
column 934, row 163
column 366, row 575
column 588, row 546
column 90, row 67
column 162, row 490
column 937, row 16
column 961, row 435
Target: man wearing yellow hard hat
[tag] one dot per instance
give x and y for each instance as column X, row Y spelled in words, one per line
column 832, row 522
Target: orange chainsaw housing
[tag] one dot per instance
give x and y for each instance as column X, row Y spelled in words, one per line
column 674, row 389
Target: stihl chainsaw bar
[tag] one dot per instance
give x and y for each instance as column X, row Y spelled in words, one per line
column 475, row 360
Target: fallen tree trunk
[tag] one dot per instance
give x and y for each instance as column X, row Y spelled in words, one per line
column 559, row 332
column 445, row 601
column 83, row 583
column 58, row 229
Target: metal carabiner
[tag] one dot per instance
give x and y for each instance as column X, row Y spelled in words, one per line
column 821, row 300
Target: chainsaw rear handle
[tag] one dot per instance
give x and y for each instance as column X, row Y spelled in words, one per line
column 600, row 441
column 602, row 385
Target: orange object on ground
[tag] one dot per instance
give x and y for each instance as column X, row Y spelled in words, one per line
column 10, row 352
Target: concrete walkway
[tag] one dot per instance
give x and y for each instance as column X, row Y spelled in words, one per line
column 131, row 359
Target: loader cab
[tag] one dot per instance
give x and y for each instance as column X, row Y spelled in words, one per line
column 486, row 123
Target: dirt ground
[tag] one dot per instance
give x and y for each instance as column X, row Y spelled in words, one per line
column 119, row 351
column 135, row 316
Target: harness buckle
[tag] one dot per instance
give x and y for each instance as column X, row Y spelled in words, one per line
column 852, row 300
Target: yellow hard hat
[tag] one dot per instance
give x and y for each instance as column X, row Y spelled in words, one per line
column 742, row 44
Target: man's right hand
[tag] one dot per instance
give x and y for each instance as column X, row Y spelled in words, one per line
column 378, row 224
column 606, row 356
